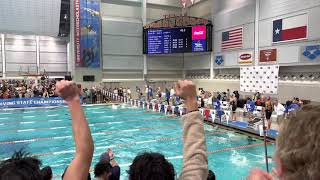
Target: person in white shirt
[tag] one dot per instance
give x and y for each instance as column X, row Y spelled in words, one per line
column 129, row 92
column 279, row 110
column 172, row 92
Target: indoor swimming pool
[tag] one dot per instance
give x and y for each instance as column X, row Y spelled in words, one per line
column 47, row 133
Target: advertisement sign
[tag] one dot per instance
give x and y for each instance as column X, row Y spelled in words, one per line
column 31, row 102
column 199, row 32
column 268, row 56
column 311, row 53
column 87, row 33
column 245, row 57
column 199, row 45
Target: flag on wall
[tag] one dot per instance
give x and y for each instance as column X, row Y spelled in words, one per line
column 232, row 39
column 292, row 28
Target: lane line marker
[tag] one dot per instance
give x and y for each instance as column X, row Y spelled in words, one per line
column 91, row 125
column 67, row 137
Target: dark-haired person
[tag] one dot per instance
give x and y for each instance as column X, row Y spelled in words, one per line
column 80, row 165
column 297, row 154
column 269, row 110
column 211, row 175
column 46, row 173
column 151, row 166
column 154, row 166
column 168, row 96
column 108, row 157
column 233, row 103
column 102, row 171
column 21, row 166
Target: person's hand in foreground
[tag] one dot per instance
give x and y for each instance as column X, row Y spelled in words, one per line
column 80, row 165
column 258, row 174
column 195, row 161
column 187, row 91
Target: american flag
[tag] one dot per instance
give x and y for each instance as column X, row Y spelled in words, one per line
column 232, row 39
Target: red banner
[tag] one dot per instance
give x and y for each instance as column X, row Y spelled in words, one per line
column 268, row 55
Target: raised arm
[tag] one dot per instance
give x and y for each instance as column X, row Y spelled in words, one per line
column 80, row 165
column 195, row 160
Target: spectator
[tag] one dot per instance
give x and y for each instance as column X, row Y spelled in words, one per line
column 102, row 171
column 250, row 105
column 21, row 166
column 211, row 175
column 269, row 110
column 129, row 93
column 233, row 102
column 219, row 96
column 297, row 152
column 80, row 165
column 279, row 110
column 168, row 96
column 108, row 157
column 46, row 173
column 172, row 92
column 228, row 94
column 150, row 166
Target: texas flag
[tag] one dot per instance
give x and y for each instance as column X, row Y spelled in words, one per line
column 292, row 28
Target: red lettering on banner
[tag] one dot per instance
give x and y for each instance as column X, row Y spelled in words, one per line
column 77, row 32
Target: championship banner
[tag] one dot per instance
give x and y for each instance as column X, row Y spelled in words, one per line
column 31, row 102
column 87, row 33
column 263, row 79
column 268, row 56
column 245, row 57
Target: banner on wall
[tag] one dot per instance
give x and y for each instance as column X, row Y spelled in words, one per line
column 87, row 33
column 290, row 28
column 268, row 56
column 245, row 57
column 311, row 53
column 219, row 60
column 263, row 79
column 31, row 102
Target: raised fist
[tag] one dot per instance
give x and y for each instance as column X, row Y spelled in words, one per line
column 186, row 90
column 67, row 90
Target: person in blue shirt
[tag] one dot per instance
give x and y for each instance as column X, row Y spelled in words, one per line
column 150, row 92
column 250, row 105
column 177, row 100
column 216, row 104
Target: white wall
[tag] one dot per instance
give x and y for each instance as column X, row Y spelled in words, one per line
column 289, row 53
column 121, row 41
column 30, row 17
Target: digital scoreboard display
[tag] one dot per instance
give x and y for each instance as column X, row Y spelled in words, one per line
column 178, row 40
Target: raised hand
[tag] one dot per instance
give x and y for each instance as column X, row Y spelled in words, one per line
column 187, row 91
column 68, row 90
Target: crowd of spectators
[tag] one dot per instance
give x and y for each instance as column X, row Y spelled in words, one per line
column 27, row 89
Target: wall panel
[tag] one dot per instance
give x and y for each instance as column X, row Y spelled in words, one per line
column 122, row 62
column 122, row 45
column 121, row 28
column 197, row 61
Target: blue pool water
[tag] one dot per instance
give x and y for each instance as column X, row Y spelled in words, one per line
column 47, row 133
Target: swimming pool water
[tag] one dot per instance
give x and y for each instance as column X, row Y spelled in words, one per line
column 47, row 132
